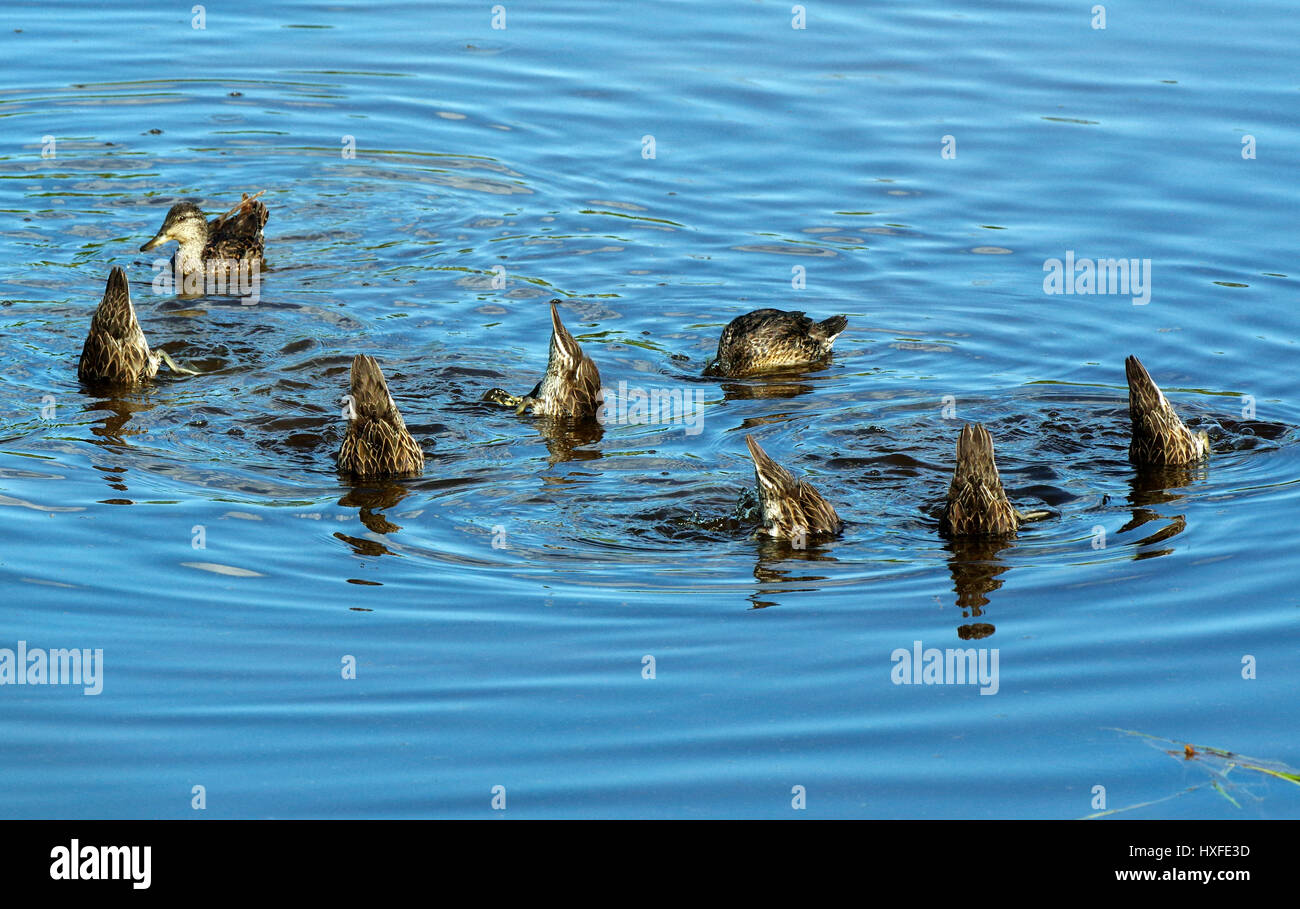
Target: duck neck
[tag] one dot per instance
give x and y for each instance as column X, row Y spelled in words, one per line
column 189, row 256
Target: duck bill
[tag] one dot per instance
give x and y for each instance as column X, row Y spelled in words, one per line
column 158, row 240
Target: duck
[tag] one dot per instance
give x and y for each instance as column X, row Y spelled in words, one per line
column 772, row 339
column 1159, row 436
column 791, row 509
column 229, row 241
column 376, row 442
column 115, row 351
column 977, row 504
column 571, row 385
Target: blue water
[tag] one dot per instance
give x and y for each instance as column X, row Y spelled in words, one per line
column 662, row 169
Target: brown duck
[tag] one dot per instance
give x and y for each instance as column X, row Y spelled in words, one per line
column 571, row 386
column 772, row 339
column 1159, row 436
column 223, row 242
column 977, row 504
column 377, row 442
column 116, row 352
column 791, row 509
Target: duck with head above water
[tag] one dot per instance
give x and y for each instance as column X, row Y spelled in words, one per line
column 1159, row 436
column 571, row 386
column 116, row 352
column 791, row 509
column 977, row 504
column 772, row 339
column 232, row 240
column 377, row 442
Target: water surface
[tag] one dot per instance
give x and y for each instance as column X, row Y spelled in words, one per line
column 660, row 171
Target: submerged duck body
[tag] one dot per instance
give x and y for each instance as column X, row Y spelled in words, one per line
column 977, row 504
column 771, row 339
column 1159, row 436
column 232, row 240
column 377, row 442
column 791, row 509
column 116, row 352
column 571, row 385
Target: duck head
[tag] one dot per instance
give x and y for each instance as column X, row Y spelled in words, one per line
column 185, row 224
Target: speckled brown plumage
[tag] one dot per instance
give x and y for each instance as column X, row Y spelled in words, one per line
column 376, row 442
column 116, row 352
column 231, row 239
column 571, row 385
column 977, row 504
column 1159, row 436
column 770, row 339
column 791, row 509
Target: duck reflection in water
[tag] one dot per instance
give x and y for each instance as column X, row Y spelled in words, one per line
column 1155, row 485
column 777, row 569
column 111, row 429
column 765, row 387
column 568, row 439
column 976, row 570
column 373, row 502
column 110, row 433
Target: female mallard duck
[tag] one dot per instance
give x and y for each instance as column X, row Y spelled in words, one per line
column 376, row 442
column 1159, row 436
column 229, row 241
column 792, row 509
column 769, row 339
column 116, row 352
column 571, row 386
column 977, row 504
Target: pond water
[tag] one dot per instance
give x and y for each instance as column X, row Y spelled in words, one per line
column 582, row 616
